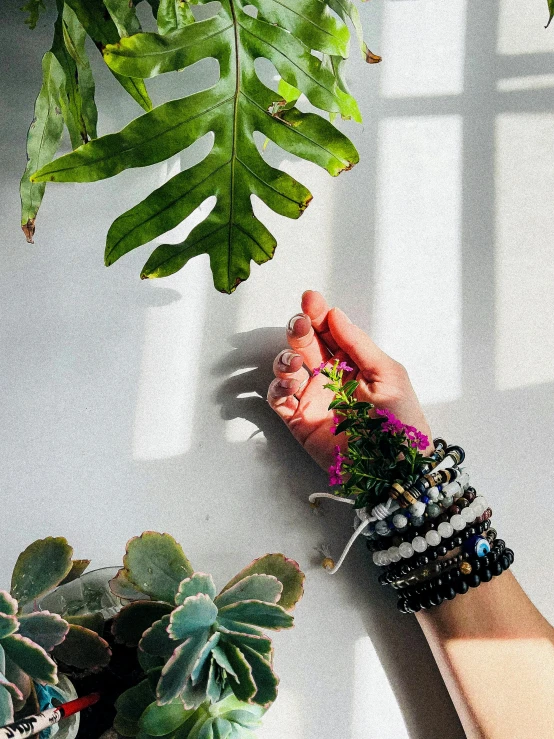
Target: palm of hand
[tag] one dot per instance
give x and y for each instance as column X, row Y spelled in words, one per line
column 300, row 397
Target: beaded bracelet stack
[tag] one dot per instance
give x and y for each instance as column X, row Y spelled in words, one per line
column 433, row 538
column 442, row 544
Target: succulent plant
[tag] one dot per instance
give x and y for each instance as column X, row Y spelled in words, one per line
column 206, row 659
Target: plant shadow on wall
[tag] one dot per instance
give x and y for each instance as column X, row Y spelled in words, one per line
column 398, row 641
column 307, row 44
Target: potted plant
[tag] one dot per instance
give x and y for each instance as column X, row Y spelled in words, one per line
column 169, row 654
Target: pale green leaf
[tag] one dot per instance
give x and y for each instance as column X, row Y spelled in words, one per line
column 285, row 570
column 197, row 613
column 40, row 568
column 253, row 587
column 198, row 583
column 30, row 658
column 178, row 668
column 44, row 628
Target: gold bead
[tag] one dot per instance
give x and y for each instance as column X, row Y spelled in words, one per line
column 328, row 563
column 465, row 568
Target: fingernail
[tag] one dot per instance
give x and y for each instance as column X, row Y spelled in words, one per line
column 293, row 320
column 285, row 383
column 286, row 358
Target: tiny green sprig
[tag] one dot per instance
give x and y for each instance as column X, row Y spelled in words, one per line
column 380, row 449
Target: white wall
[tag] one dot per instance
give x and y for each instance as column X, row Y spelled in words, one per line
column 130, row 405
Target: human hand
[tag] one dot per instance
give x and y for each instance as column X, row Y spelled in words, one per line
column 298, row 396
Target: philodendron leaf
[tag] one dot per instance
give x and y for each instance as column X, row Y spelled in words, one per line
column 130, row 706
column 198, row 583
column 156, row 564
column 44, row 628
column 173, row 14
column 287, row 571
column 84, row 649
column 102, row 30
column 78, row 566
column 40, row 568
column 235, row 108
column 30, row 658
column 197, row 613
column 43, row 140
column 253, row 587
column 132, row 621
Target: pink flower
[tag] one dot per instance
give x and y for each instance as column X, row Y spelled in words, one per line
column 344, row 366
column 336, row 421
column 335, row 473
column 317, row 370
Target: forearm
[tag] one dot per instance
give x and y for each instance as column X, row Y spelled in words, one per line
column 496, row 655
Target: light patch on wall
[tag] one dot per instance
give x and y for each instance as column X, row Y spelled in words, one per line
column 417, row 284
column 531, row 82
column 171, row 353
column 424, row 44
column 372, row 689
column 521, row 28
column 524, row 251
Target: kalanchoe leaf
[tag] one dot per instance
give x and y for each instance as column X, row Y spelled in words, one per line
column 134, row 619
column 156, row 565
column 161, row 720
column 198, row 583
column 8, row 604
column 222, row 660
column 263, row 675
column 203, row 656
column 156, row 639
column 78, row 566
column 262, row 587
column 213, row 688
column 11, row 687
column 285, row 570
column 40, row 568
column 243, row 686
column 232, row 632
column 122, row 588
column 8, row 625
column 197, row 613
column 44, row 628
column 179, row 667
column 6, row 707
column 257, row 613
column 93, row 621
column 84, row 649
column 130, row 706
column 30, row 658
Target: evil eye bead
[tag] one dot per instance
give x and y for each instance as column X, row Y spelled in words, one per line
column 477, row 545
column 419, row 544
column 457, row 522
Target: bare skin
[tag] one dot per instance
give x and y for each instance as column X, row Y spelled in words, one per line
column 494, row 649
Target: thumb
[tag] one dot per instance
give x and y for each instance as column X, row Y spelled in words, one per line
column 356, row 343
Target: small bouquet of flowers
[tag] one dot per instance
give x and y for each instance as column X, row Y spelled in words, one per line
column 381, row 449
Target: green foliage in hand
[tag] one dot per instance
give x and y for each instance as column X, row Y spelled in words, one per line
column 206, row 659
column 67, row 92
column 285, row 32
column 381, row 449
